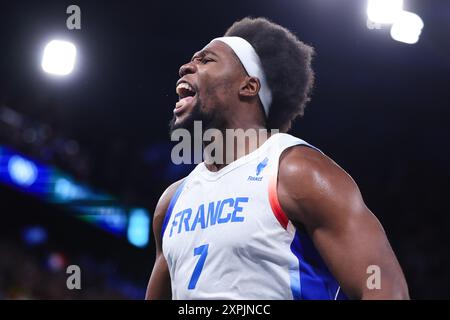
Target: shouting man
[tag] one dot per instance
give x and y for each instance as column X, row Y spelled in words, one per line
column 279, row 220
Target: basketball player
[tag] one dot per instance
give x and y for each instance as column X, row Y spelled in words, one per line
column 283, row 221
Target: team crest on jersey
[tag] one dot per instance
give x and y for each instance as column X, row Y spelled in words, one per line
column 259, row 168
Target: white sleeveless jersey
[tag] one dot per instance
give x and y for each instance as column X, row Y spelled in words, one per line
column 225, row 235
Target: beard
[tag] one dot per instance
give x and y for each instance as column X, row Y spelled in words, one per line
column 197, row 113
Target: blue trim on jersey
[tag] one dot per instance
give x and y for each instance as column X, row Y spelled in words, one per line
column 316, row 281
column 170, row 207
column 296, row 287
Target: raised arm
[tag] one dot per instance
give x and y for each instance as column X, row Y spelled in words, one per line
column 316, row 193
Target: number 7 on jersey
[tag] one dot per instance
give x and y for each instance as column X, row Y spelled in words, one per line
column 201, row 251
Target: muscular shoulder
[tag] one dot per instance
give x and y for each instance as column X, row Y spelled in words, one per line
column 311, row 168
column 310, row 183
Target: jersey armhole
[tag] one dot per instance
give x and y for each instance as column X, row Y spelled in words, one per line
column 273, row 183
column 170, row 208
column 275, row 203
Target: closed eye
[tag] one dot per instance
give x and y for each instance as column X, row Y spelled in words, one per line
column 202, row 60
column 206, row 60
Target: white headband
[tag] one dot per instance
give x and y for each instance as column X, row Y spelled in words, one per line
column 252, row 64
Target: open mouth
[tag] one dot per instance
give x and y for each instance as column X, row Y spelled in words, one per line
column 186, row 94
column 184, row 90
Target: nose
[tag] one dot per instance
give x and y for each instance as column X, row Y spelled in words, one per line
column 187, row 68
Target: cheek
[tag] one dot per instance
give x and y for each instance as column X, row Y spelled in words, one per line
column 219, row 90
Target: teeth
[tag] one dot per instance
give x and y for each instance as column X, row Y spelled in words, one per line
column 184, row 85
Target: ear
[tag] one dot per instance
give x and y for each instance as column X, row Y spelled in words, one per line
column 249, row 87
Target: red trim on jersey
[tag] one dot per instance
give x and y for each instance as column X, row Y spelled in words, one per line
column 275, row 203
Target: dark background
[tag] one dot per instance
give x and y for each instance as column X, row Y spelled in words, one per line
column 380, row 109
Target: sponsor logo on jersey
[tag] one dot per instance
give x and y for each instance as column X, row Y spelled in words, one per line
column 259, row 168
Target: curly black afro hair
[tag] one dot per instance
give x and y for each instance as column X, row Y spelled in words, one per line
column 287, row 64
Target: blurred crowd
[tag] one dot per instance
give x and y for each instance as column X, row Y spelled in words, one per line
column 41, row 141
column 119, row 167
column 36, row 273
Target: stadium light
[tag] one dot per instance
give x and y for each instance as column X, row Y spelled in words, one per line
column 384, row 11
column 34, row 235
column 138, row 227
column 22, row 171
column 407, row 28
column 66, row 190
column 59, row 57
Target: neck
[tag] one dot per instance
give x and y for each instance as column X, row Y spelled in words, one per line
column 232, row 143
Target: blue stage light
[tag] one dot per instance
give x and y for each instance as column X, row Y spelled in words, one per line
column 138, row 227
column 22, row 171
